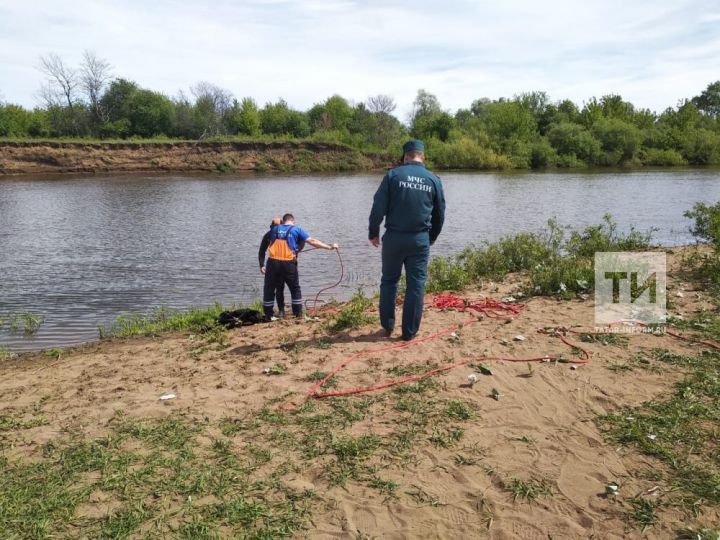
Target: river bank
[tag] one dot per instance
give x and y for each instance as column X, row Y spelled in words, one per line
column 180, row 433
column 50, row 157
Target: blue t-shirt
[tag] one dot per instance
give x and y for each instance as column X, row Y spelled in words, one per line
column 292, row 233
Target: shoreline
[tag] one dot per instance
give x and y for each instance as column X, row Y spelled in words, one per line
column 47, row 157
column 42, row 352
column 56, row 157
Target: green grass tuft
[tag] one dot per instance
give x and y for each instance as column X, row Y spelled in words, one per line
column 353, row 314
column 163, row 320
column 529, row 490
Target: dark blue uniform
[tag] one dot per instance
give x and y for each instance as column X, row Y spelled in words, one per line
column 411, row 200
column 282, row 268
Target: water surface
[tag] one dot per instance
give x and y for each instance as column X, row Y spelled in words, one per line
column 83, row 250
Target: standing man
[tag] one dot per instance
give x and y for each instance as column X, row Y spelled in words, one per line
column 264, row 244
column 411, row 200
column 281, row 267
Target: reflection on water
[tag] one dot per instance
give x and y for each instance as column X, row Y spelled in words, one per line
column 82, row 251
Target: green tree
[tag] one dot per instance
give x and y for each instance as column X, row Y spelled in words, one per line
column 708, row 101
column 575, row 141
column 591, row 112
column 274, row 118
column 151, row 114
column 428, row 120
column 212, row 105
column 297, row 124
column 701, row 147
column 333, row 115
column 117, row 99
column 620, row 140
column 185, row 125
column 15, row 121
column 509, row 120
column 244, row 117
column 684, row 117
column 613, row 106
column 377, row 128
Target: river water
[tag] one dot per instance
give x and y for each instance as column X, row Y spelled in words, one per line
column 82, row 250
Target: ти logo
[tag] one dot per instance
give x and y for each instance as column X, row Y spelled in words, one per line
column 636, row 291
column 630, row 286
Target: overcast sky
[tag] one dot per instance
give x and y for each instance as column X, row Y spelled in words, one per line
column 652, row 52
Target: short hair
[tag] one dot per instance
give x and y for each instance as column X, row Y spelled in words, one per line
column 414, row 154
column 275, row 221
column 286, row 217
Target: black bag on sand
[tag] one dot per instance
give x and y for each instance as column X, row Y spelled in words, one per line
column 240, row 317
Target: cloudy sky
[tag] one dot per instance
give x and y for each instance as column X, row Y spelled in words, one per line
column 652, row 52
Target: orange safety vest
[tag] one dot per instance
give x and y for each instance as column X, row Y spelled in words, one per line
column 279, row 248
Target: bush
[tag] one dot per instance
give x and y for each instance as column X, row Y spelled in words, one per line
column 605, row 237
column 564, row 276
column 446, row 274
column 353, row 314
column 701, row 147
column 553, row 263
column 516, row 253
column 570, row 161
column 542, row 154
column 15, row 121
column 618, row 139
column 707, row 223
column 574, row 140
column 662, row 158
column 465, row 153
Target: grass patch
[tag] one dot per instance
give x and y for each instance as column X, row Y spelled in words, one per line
column 529, row 490
column 164, row 319
column 26, row 322
column 14, row 422
column 147, row 468
column 446, row 437
column 458, row 410
column 386, row 487
column 316, row 376
column 276, row 369
column 552, row 261
column 606, row 338
column 705, row 323
column 185, row 477
column 681, row 431
column 643, row 512
column 6, row 354
column 353, row 314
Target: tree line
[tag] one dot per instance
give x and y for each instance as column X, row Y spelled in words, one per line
column 525, row 131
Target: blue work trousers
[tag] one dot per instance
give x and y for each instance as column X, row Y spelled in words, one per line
column 412, row 251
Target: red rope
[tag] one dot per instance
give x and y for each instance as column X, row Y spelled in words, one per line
column 321, row 291
column 676, row 335
column 707, row 343
column 488, row 306
column 491, row 308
